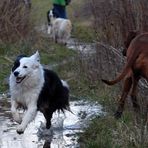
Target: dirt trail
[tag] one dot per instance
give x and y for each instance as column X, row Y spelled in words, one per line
column 62, row 134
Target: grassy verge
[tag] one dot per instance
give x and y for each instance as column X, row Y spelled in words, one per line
column 5, row 70
column 105, row 132
column 83, row 33
column 110, row 133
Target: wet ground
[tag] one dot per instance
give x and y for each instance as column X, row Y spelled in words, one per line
column 73, row 43
column 63, row 134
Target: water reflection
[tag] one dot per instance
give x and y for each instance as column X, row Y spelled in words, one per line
column 62, row 134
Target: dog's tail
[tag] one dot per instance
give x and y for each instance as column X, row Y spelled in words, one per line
column 65, row 84
column 119, row 78
column 125, row 69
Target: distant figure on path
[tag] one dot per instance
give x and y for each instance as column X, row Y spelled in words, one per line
column 59, row 10
column 28, row 3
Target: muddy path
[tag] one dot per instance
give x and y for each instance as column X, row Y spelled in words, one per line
column 64, row 132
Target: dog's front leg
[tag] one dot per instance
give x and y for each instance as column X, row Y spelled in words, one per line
column 15, row 113
column 28, row 117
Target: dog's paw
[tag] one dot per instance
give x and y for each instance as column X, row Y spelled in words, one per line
column 20, row 129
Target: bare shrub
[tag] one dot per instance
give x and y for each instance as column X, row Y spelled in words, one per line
column 113, row 19
column 14, row 20
column 101, row 63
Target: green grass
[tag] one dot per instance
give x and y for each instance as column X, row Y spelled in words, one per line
column 83, row 33
column 107, row 132
column 101, row 136
column 4, row 73
column 39, row 10
column 57, row 55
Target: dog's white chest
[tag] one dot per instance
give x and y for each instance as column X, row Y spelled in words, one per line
column 24, row 96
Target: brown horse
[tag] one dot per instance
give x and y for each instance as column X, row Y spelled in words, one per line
column 135, row 68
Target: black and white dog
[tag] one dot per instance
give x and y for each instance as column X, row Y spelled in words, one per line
column 35, row 89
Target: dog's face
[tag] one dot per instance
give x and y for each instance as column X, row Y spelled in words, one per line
column 50, row 14
column 25, row 66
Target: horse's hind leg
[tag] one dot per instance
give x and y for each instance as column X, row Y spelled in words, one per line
column 134, row 93
column 126, row 89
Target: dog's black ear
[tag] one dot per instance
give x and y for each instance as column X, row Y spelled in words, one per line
column 17, row 62
column 20, row 56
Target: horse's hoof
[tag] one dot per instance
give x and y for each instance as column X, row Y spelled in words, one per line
column 118, row 115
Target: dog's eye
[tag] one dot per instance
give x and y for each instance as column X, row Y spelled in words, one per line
column 25, row 67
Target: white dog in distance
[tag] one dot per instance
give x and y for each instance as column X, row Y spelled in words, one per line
column 60, row 29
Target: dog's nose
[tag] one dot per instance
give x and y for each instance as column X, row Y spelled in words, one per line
column 16, row 73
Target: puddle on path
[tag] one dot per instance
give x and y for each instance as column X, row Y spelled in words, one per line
column 73, row 43
column 85, row 48
column 62, row 135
